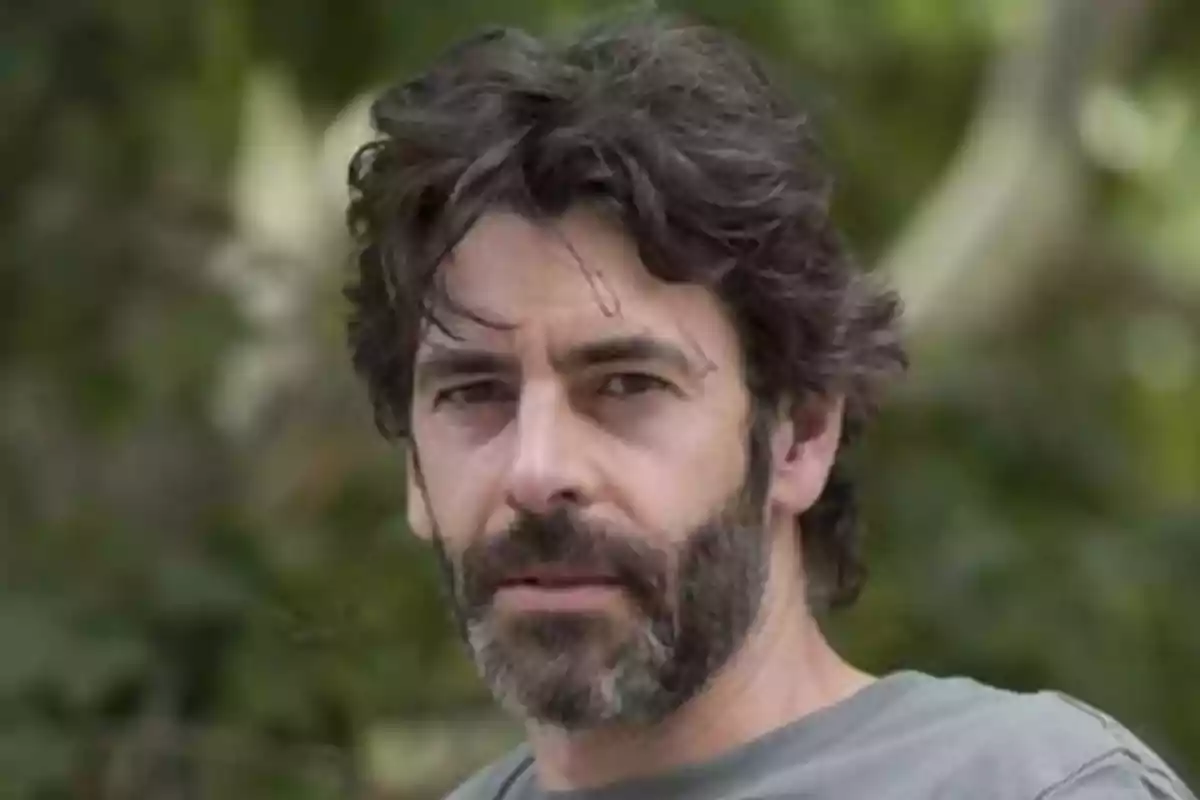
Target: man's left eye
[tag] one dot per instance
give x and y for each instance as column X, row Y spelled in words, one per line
column 627, row 384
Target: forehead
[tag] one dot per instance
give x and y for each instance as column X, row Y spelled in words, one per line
column 576, row 277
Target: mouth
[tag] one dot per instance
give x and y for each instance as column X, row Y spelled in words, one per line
column 559, row 579
column 559, row 591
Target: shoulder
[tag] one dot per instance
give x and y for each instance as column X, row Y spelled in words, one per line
column 493, row 781
column 1045, row 745
column 1084, row 752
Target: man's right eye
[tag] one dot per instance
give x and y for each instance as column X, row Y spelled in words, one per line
column 474, row 393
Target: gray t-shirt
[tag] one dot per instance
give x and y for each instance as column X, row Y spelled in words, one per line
column 908, row 736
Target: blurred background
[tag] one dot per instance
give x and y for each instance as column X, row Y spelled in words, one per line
column 206, row 586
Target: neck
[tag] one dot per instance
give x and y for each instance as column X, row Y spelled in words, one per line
column 785, row 671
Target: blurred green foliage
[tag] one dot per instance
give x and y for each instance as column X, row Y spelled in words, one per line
column 204, row 595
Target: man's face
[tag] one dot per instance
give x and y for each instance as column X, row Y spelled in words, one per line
column 583, row 473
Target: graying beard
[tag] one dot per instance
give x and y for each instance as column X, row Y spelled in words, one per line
column 628, row 692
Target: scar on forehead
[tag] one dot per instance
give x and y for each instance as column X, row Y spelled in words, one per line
column 707, row 365
column 602, row 292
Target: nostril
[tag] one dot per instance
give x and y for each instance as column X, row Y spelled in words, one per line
column 567, row 497
column 564, row 499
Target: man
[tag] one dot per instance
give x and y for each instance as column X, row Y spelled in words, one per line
column 599, row 296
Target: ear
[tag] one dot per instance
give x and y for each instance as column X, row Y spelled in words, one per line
column 803, row 448
column 420, row 518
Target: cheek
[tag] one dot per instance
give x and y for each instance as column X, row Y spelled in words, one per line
column 458, row 486
column 684, row 473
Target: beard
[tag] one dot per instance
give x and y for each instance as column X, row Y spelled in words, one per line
column 687, row 611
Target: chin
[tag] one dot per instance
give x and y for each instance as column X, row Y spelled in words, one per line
column 570, row 670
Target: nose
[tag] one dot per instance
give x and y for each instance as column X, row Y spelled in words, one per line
column 550, row 464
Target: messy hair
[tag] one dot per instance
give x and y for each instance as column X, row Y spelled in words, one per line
column 673, row 129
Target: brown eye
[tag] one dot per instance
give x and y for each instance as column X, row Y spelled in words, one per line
column 474, row 394
column 628, row 384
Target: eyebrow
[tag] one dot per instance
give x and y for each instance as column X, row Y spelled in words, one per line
column 443, row 363
column 622, row 350
column 446, row 362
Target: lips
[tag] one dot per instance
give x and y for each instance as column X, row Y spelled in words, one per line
column 559, row 579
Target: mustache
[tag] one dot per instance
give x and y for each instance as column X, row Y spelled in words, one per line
column 561, row 540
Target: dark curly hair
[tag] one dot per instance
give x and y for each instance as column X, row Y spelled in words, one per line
column 676, row 129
